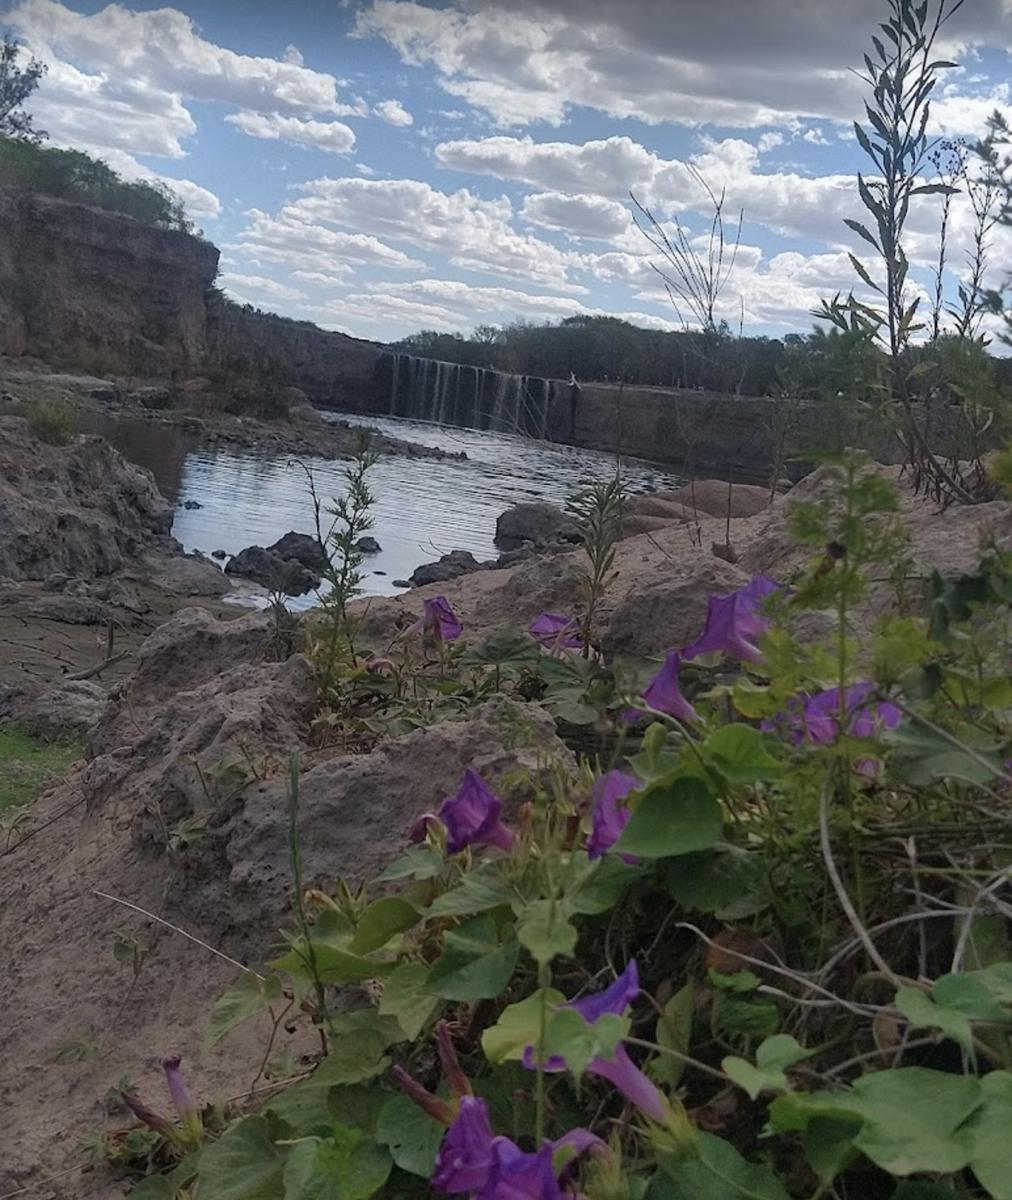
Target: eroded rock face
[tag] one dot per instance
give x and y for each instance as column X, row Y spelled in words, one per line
column 355, row 814
column 302, row 547
column 79, row 510
column 64, row 712
column 711, row 496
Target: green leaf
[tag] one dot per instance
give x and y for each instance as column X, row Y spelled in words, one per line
column 245, row 998
column 989, row 1136
column 153, row 1187
column 955, row 1001
column 740, row 754
column 419, row 862
column 659, row 755
column 519, row 1026
column 568, row 1035
column 380, row 921
column 934, row 189
column 911, row 1117
column 346, row 1166
column 828, row 1143
column 921, row 759
column 596, row 886
column 357, row 1054
column 244, row 1164
column 332, row 965
column 478, row 961
column 859, row 267
column 674, row 1032
column 503, row 647
column 671, row 819
column 411, row 1135
column 860, row 230
column 544, row 929
column 405, row 998
column 479, row 891
column 719, row 1173
column 719, row 880
column 923, row 1191
column 773, row 1057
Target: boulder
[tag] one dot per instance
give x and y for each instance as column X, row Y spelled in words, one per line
column 710, row 497
column 669, row 611
column 635, row 524
column 219, row 554
column 188, row 575
column 64, row 712
column 71, row 610
column 450, row 566
column 282, row 574
column 535, row 521
column 368, row 545
column 192, row 504
column 303, row 548
column 658, row 506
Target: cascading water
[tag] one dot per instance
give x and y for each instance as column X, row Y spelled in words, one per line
column 473, row 397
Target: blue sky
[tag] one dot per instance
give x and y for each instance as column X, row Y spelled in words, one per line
column 387, row 165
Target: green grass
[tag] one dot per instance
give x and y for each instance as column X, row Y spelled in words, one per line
column 26, row 764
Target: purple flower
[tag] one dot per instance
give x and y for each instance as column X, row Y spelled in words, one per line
column 619, row 1070
column 471, row 1159
column 150, row 1118
column 465, row 1156
column 664, row 693
column 817, row 718
column 609, row 816
column 472, row 816
column 439, row 620
column 733, row 622
column 555, row 631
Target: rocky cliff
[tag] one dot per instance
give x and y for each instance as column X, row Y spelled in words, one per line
column 98, row 291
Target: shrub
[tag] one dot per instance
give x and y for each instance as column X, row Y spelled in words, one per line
column 54, row 421
column 72, row 175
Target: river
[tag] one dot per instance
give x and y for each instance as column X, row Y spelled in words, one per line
column 423, row 508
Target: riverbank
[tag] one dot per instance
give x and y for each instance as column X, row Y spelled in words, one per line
column 205, row 412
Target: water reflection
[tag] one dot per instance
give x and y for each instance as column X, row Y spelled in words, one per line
column 424, row 507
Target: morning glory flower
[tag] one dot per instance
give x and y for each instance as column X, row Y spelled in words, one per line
column 816, row 719
column 619, row 1070
column 473, row 1160
column 734, row 622
column 664, row 693
column 609, row 816
column 472, row 816
column 555, row 631
column 439, row 620
column 189, row 1115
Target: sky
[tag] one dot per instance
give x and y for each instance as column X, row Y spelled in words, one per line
column 384, row 166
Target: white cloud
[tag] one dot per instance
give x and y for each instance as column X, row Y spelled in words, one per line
column 578, row 216
column 291, row 240
column 393, row 112
column 336, row 275
column 332, row 136
column 472, row 233
column 728, row 64
column 119, row 79
column 243, row 286
column 815, row 136
column 770, row 141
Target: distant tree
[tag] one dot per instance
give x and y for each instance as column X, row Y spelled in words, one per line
column 16, row 84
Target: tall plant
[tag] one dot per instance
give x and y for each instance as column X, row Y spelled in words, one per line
column 901, row 77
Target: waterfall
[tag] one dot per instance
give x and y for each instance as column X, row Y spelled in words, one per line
column 472, row 397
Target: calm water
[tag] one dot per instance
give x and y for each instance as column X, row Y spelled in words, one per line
column 424, row 507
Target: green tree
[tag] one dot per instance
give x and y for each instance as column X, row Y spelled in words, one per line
column 16, row 84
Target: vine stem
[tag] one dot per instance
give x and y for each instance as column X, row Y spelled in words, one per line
column 841, row 892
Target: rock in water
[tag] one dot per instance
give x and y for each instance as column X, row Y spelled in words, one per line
column 537, row 521
column 450, row 566
column 281, row 574
column 368, row 545
column 302, row 547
